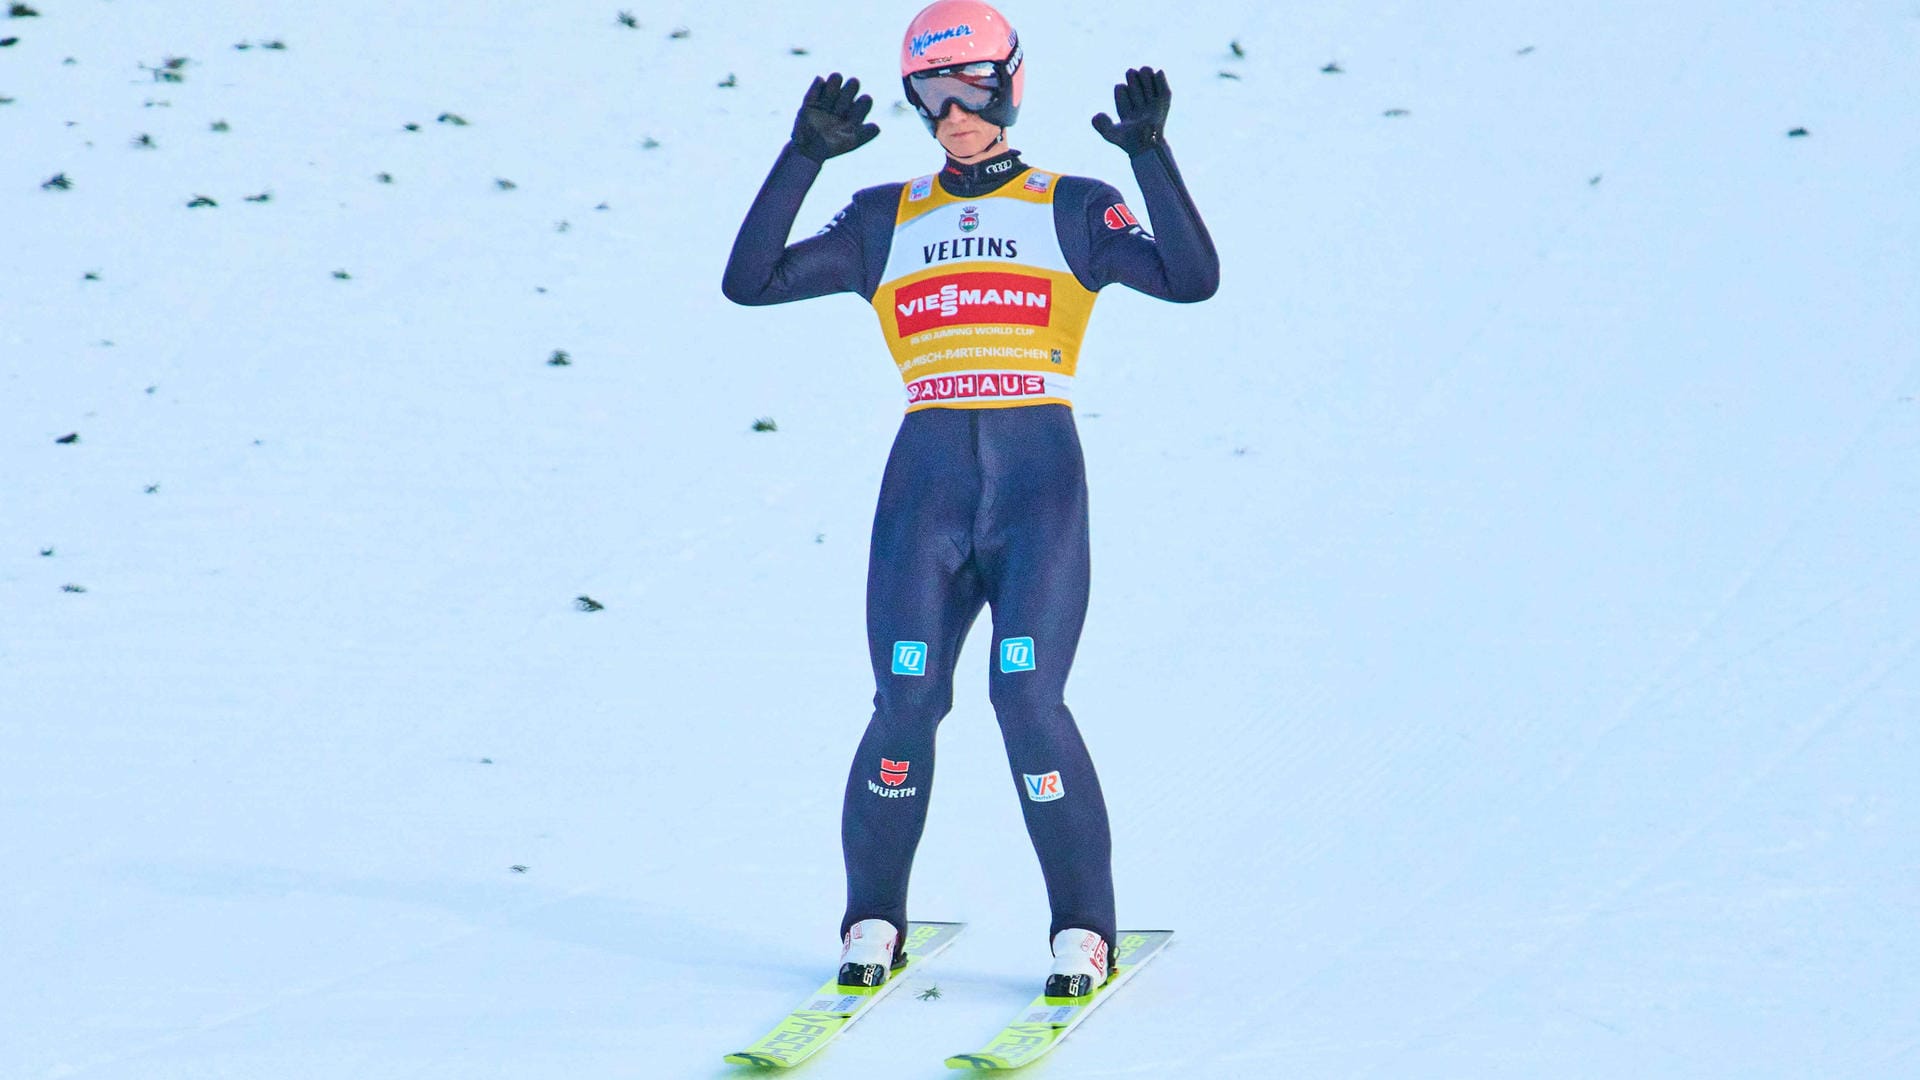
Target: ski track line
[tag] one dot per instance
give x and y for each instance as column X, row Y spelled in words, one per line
column 1642, row 697
column 1793, row 744
column 1659, row 694
column 1906, row 1050
column 491, row 921
column 1661, row 685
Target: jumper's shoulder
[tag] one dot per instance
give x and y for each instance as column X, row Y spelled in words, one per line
column 876, row 201
column 1096, row 207
column 884, row 196
column 1083, row 190
column 880, row 192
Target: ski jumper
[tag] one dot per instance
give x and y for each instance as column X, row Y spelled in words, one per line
column 983, row 278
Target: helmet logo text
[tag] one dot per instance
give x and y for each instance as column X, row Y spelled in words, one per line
column 928, row 39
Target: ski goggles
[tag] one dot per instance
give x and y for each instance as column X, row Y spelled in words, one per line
column 974, row 87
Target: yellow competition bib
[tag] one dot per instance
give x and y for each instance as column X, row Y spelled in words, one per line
column 976, row 301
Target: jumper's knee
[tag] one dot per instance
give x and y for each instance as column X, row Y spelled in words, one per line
column 912, row 705
column 1023, row 699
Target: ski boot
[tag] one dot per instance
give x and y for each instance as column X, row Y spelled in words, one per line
column 1080, row 964
column 870, row 952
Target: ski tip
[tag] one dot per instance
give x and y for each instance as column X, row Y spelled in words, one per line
column 976, row 1061
column 756, row 1061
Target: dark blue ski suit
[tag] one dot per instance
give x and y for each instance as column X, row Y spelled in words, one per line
column 984, row 501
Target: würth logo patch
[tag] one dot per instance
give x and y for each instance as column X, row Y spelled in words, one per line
column 1119, row 217
column 973, row 299
column 894, row 775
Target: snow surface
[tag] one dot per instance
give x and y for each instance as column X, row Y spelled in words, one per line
column 1502, row 657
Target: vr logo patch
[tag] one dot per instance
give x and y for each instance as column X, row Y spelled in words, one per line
column 1044, row 788
column 909, row 658
column 1016, row 655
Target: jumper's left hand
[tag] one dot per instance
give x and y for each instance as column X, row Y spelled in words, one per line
column 833, row 119
column 1142, row 102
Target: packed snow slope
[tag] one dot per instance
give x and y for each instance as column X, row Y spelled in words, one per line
column 1502, row 659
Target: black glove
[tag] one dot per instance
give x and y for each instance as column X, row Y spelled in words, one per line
column 831, row 119
column 1142, row 103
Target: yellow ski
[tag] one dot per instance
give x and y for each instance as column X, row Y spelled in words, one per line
column 1046, row 1020
column 833, row 1007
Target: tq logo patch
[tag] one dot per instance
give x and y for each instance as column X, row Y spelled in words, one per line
column 909, row 658
column 1016, row 655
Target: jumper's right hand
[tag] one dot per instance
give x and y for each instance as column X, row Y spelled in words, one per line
column 832, row 119
column 1142, row 102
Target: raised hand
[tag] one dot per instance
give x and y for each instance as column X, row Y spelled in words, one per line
column 1142, row 102
column 832, row 119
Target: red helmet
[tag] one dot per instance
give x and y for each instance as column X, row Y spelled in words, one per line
column 962, row 52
